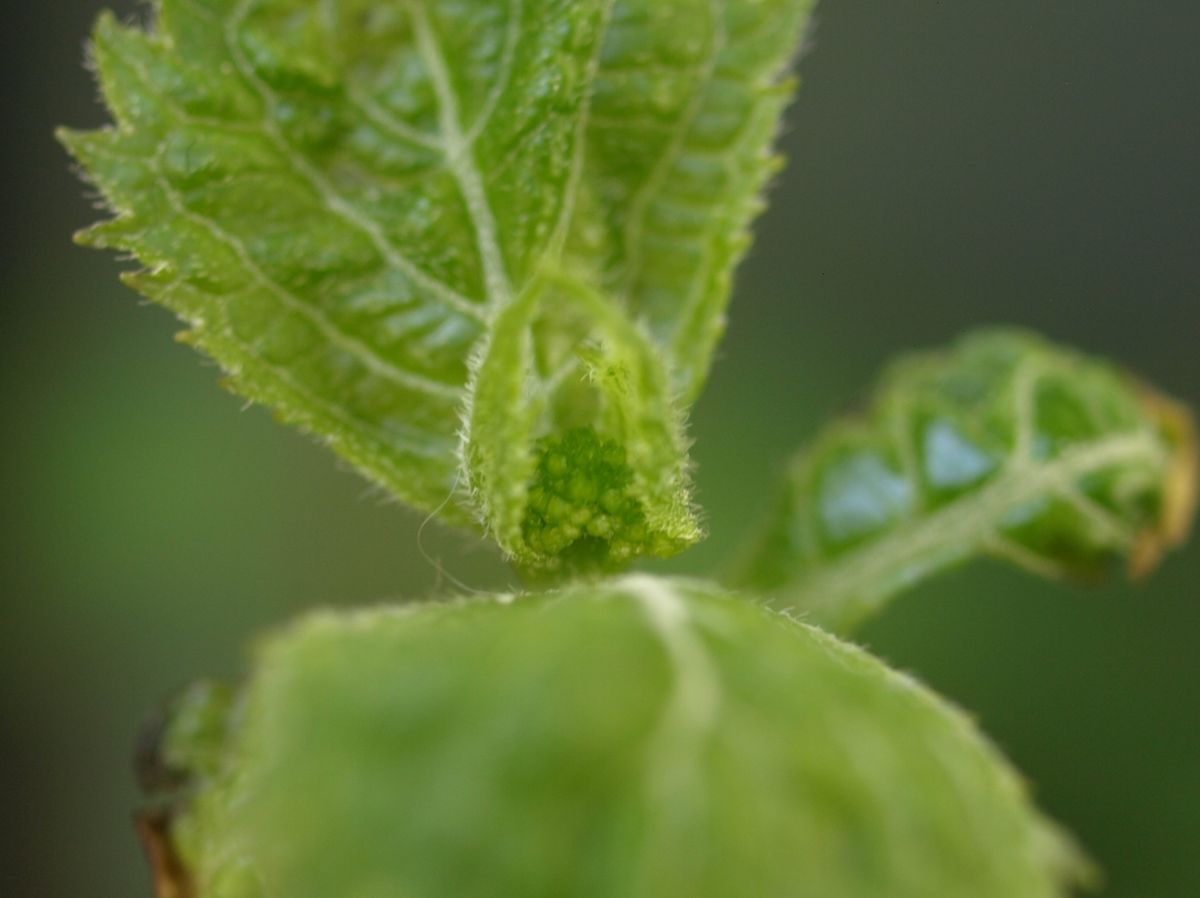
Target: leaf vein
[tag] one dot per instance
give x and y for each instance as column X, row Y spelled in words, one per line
column 635, row 223
column 503, row 78
column 352, row 346
column 329, row 195
column 966, row 524
column 461, row 161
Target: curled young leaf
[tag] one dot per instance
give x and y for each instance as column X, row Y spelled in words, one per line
column 607, row 480
column 442, row 236
column 609, row 740
column 1005, row 446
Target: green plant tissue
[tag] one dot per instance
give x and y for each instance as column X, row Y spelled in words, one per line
column 644, row 737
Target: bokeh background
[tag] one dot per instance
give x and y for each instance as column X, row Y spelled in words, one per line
column 951, row 164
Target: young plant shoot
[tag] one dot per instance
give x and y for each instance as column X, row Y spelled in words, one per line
column 483, row 249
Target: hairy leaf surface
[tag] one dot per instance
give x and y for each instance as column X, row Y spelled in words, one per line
column 643, row 738
column 1004, row 446
column 441, row 236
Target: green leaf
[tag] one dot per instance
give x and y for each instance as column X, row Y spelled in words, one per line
column 573, row 499
column 1004, row 446
column 183, row 739
column 443, row 236
column 645, row 738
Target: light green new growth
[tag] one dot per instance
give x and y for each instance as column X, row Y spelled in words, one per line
column 644, row 738
column 484, row 248
column 438, row 235
column 1004, row 446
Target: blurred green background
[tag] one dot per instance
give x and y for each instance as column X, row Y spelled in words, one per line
column 951, row 164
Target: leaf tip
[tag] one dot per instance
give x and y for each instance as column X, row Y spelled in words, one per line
column 1181, row 483
column 93, row 237
column 67, row 137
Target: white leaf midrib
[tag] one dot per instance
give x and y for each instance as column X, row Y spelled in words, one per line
column 693, row 703
column 965, row 525
column 461, row 161
column 331, row 197
column 675, row 785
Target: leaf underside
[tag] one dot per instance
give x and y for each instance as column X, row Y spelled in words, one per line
column 1004, row 446
column 607, row 740
column 442, row 236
